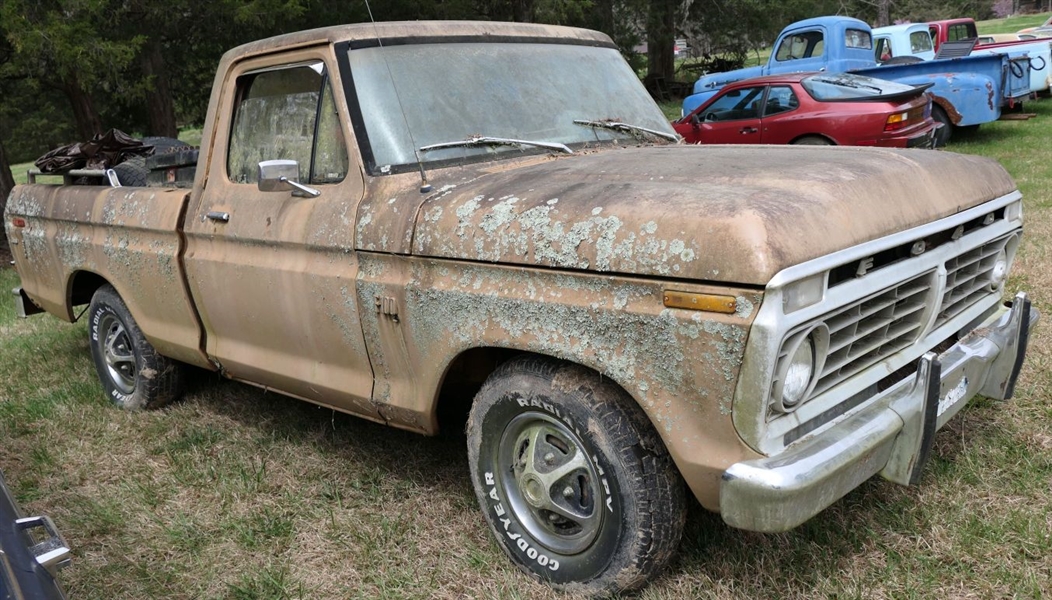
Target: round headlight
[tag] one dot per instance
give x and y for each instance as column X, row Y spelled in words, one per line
column 798, row 375
column 999, row 271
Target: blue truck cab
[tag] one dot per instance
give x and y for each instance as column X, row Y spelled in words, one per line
column 966, row 91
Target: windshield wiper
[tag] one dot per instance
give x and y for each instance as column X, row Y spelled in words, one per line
column 848, row 83
column 625, row 127
column 484, row 140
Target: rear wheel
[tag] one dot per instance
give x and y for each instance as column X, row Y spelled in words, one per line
column 944, row 133
column 812, row 140
column 132, row 373
column 572, row 479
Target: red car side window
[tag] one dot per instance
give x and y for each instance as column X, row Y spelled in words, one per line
column 780, row 99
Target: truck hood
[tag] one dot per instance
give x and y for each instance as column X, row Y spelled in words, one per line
column 715, row 81
column 720, row 214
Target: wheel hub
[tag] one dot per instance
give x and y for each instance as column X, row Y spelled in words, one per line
column 117, row 354
column 551, row 484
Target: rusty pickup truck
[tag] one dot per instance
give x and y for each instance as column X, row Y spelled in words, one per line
column 405, row 219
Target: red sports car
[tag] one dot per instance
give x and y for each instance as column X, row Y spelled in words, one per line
column 814, row 108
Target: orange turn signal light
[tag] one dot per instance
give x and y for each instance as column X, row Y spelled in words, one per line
column 896, row 121
column 704, row 302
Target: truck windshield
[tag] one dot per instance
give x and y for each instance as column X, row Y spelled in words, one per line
column 418, row 95
column 845, row 86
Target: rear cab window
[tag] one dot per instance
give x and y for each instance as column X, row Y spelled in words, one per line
column 961, row 31
column 856, row 38
column 920, row 41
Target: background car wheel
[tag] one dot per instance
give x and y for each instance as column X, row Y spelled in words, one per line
column 573, row 480
column 132, row 373
column 812, row 140
column 943, row 135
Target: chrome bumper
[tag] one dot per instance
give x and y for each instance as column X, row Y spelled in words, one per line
column 892, row 436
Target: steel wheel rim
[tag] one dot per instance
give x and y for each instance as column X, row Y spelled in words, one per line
column 552, row 487
column 117, row 353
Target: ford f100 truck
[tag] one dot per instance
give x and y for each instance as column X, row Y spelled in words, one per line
column 385, row 219
column 965, row 91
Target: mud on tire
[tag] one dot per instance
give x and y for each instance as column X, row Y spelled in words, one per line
column 574, row 482
column 133, row 375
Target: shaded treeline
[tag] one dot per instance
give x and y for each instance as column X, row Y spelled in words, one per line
column 72, row 68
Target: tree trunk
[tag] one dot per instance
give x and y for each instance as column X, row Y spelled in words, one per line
column 883, row 13
column 661, row 40
column 85, row 116
column 159, row 95
column 7, row 182
column 522, row 11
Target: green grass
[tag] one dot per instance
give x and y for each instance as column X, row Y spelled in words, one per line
column 236, row 493
column 1011, row 24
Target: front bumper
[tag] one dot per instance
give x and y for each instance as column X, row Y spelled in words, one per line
column 892, row 436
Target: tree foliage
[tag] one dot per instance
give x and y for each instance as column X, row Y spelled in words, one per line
column 69, row 68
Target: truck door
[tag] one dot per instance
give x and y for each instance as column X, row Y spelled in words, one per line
column 273, row 273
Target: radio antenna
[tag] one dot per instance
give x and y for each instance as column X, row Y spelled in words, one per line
column 425, row 187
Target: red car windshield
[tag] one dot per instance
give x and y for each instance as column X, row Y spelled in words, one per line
column 845, row 86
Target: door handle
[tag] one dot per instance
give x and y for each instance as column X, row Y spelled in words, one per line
column 216, row 215
column 745, row 130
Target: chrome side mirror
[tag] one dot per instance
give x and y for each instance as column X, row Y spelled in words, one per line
column 280, row 175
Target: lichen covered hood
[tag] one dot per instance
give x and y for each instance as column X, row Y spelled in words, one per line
column 720, row 214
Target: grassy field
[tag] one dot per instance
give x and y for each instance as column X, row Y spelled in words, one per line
column 241, row 494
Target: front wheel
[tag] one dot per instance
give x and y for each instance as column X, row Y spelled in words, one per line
column 132, row 373
column 572, row 479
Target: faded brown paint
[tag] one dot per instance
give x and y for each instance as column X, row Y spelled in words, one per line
column 275, row 285
column 681, row 366
column 731, row 214
column 127, row 236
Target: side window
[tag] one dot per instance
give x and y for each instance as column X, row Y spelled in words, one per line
column 780, row 99
column 735, row 105
column 934, row 31
column 883, row 51
column 800, row 45
column 286, row 113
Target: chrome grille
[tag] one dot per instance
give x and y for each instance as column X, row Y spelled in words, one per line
column 864, row 333
column 968, row 279
column 868, row 330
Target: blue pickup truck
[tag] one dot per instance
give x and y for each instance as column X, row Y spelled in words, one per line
column 966, row 91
